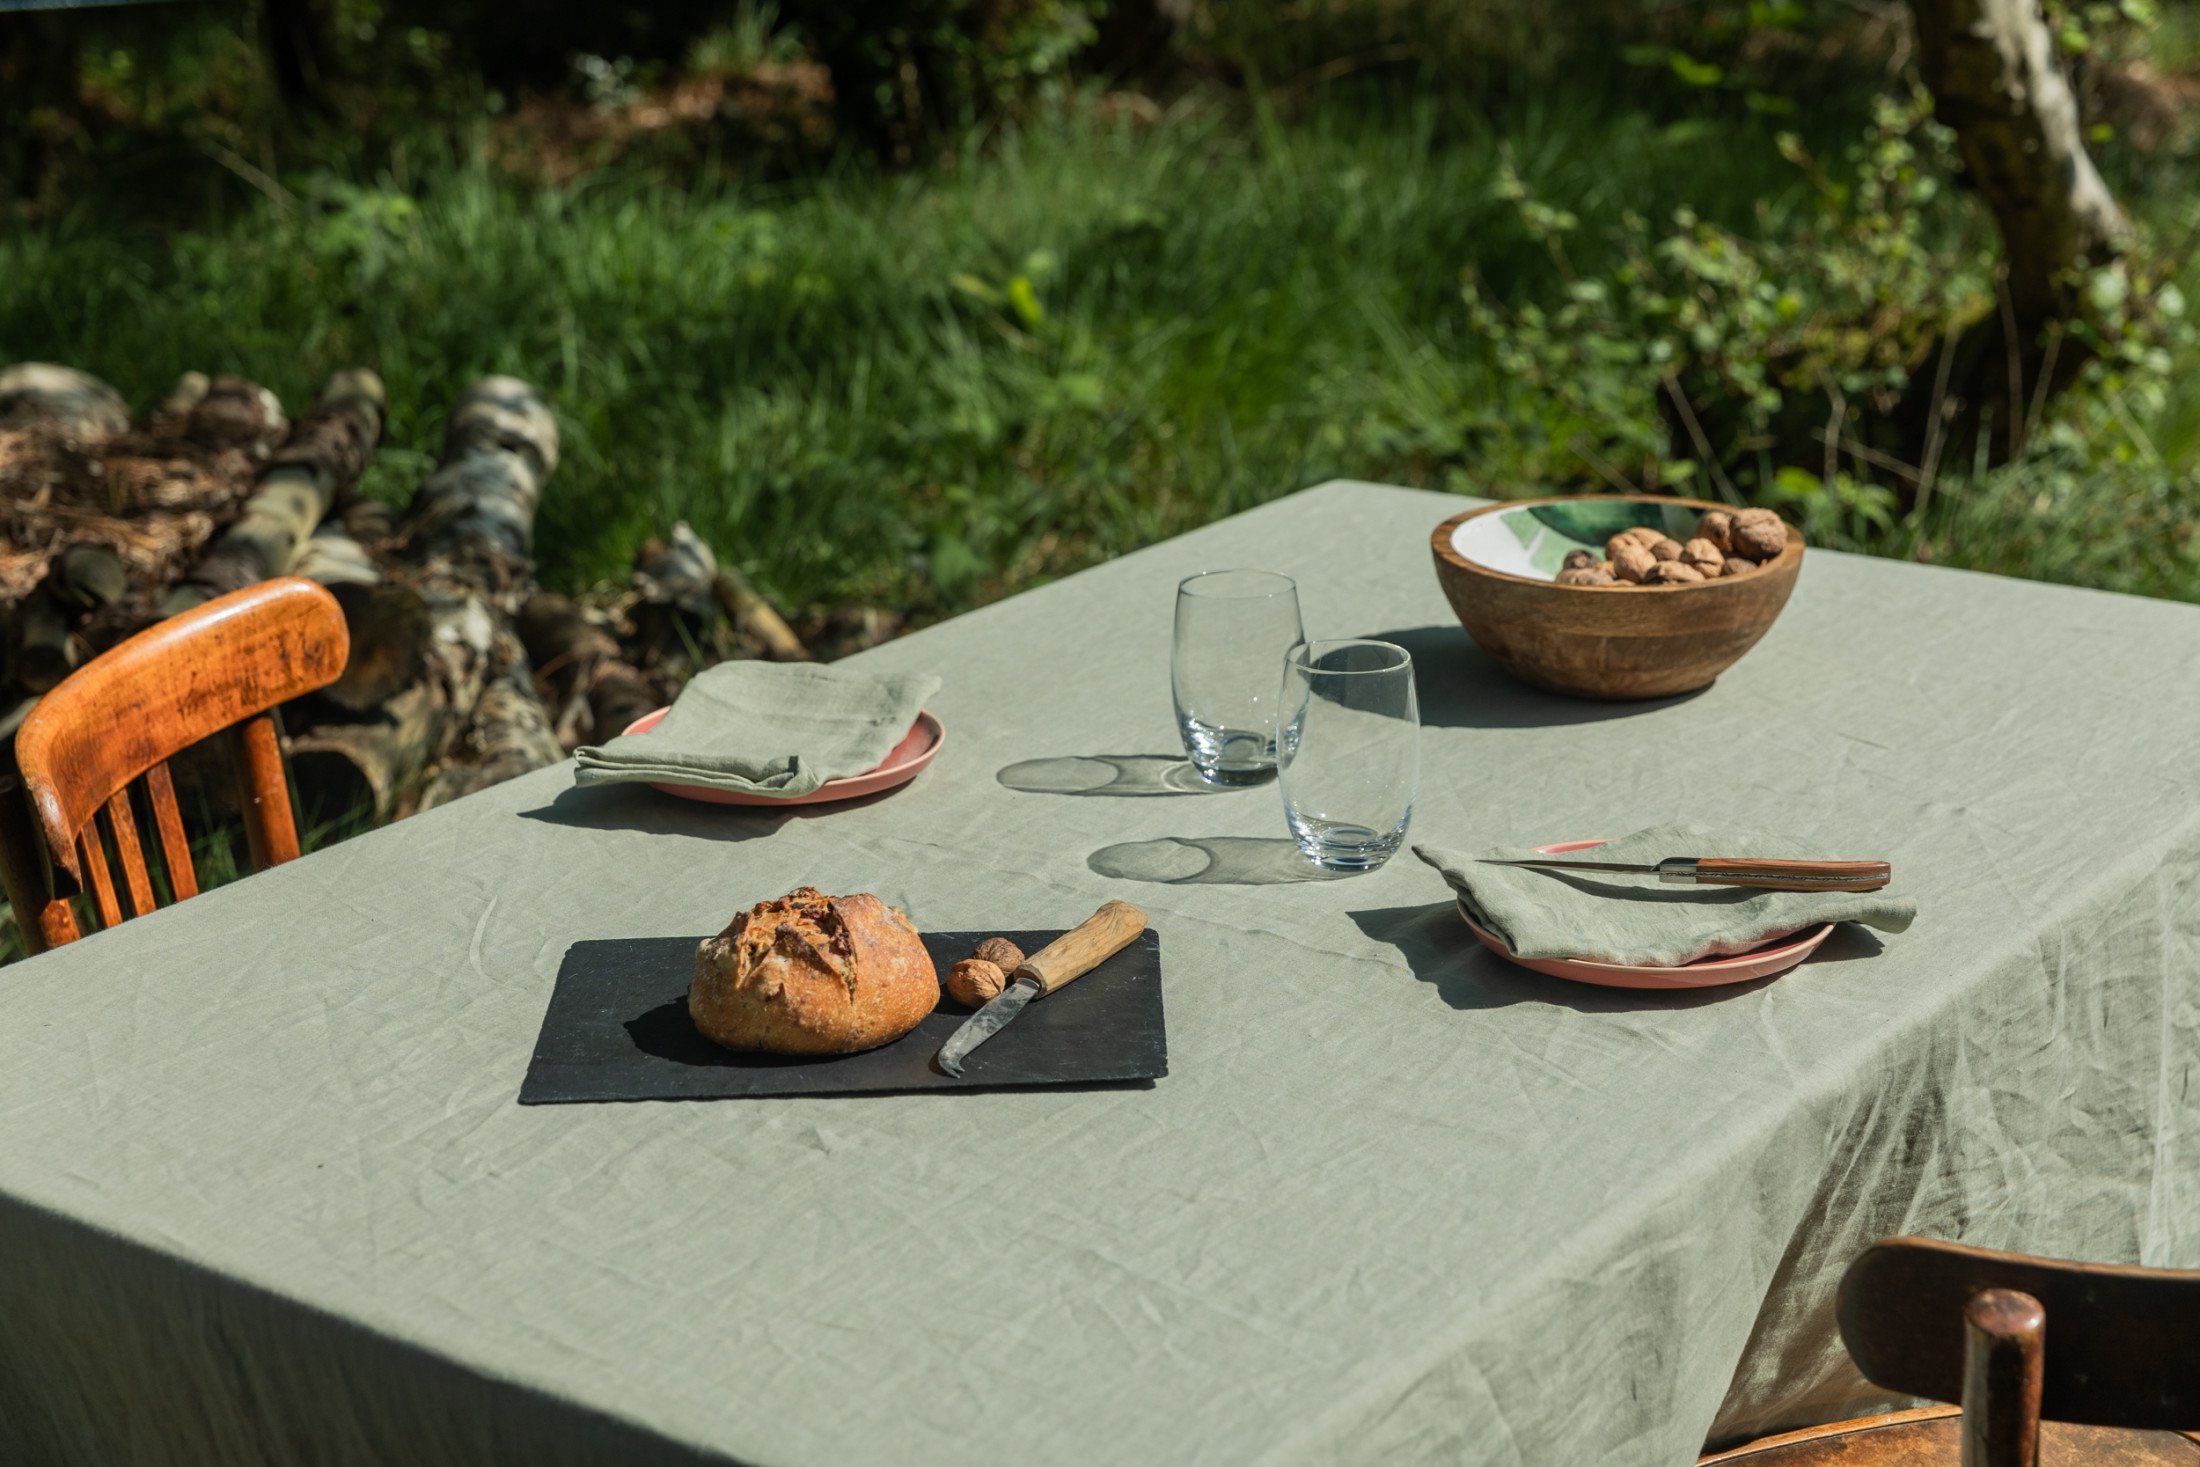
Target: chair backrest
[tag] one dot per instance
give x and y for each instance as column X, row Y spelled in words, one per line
column 2114, row 1346
column 121, row 716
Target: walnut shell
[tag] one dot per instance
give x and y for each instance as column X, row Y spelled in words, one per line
column 1717, row 526
column 1001, row 953
column 975, row 982
column 813, row 974
column 1580, row 560
column 1631, row 562
column 1758, row 534
column 1703, row 555
column 1665, row 547
column 1736, row 565
column 1672, row 573
column 1587, row 575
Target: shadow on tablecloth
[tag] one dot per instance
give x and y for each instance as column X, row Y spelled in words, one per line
column 1116, row 776
column 1442, row 953
column 1212, row 860
column 1460, row 687
column 638, row 807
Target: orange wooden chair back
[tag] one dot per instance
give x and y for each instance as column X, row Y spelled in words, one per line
column 123, row 715
column 2018, row 1340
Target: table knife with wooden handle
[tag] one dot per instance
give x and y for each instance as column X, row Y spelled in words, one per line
column 1765, row 874
column 1055, row 966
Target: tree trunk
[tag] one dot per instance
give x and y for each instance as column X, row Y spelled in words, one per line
column 323, row 457
column 1997, row 84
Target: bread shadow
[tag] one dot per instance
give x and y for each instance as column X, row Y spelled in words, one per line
column 1115, row 776
column 1213, row 860
column 1460, row 686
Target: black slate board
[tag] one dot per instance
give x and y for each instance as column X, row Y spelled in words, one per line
column 618, row 1029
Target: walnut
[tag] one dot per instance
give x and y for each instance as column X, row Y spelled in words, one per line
column 1001, row 953
column 1737, row 565
column 1587, row 575
column 1703, row 555
column 1631, row 562
column 975, row 981
column 1758, row 534
column 1665, row 547
column 1639, row 535
column 1672, row 573
column 1717, row 526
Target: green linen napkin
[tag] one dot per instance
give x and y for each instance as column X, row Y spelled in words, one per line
column 1620, row 918
column 768, row 728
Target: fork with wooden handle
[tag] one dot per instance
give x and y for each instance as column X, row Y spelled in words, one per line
column 1765, row 874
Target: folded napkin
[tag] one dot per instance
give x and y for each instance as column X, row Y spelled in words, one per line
column 766, row 728
column 1621, row 918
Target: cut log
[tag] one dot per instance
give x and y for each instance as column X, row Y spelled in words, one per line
column 87, row 577
column 235, row 413
column 678, row 630
column 508, row 734
column 44, row 651
column 756, row 618
column 592, row 692
column 468, row 538
column 320, row 461
column 173, row 411
column 74, row 404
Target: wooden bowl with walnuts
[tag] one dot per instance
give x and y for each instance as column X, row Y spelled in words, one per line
column 1613, row 595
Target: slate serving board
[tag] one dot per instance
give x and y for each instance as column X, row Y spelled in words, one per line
column 618, row 1029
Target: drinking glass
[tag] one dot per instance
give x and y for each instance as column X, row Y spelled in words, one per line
column 1231, row 626
column 1350, row 751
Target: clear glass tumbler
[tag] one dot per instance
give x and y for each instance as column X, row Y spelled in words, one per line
column 1231, row 627
column 1350, row 751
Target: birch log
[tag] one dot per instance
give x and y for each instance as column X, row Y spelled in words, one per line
column 592, row 692
column 322, row 458
column 468, row 539
column 74, row 404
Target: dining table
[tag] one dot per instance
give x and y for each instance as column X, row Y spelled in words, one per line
column 267, row 1194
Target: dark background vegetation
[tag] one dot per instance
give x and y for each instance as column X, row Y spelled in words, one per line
column 913, row 304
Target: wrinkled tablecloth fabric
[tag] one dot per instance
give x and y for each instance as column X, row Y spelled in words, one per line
column 780, row 729
column 1623, row 917
column 266, row 1195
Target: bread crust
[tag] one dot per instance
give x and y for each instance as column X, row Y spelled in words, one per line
column 813, row 974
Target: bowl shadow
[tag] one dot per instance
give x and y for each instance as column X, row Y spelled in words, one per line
column 1460, row 686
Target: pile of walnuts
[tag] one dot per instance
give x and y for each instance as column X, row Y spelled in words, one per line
column 1725, row 544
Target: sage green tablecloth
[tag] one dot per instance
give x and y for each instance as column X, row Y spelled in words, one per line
column 265, row 1195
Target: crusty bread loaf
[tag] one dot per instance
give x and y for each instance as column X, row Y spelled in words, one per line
column 813, row 974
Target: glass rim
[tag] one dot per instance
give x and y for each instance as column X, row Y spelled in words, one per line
column 1299, row 654
column 1279, row 584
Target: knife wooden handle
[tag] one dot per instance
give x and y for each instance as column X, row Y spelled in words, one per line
column 1084, row 947
column 1793, row 875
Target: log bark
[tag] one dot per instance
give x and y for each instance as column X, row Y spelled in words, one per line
column 756, row 618
column 468, row 539
column 592, row 692
column 320, row 461
column 1997, row 83
column 82, row 580
column 507, row 735
column 74, row 404
column 678, row 629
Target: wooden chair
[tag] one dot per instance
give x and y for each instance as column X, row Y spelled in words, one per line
column 124, row 714
column 2018, row 1341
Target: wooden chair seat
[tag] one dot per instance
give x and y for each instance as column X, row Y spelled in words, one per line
column 1933, row 1437
column 113, row 725
column 2056, row 1364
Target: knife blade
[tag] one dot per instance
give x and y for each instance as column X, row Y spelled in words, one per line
column 1766, row 874
column 1061, row 962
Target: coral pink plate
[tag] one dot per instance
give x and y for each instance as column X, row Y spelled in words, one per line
column 906, row 762
column 1776, row 956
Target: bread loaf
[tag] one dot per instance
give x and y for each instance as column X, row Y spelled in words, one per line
column 813, row 974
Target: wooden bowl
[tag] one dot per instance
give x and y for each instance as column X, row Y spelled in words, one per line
column 1601, row 641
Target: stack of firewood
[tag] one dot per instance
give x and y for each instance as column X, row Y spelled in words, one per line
column 463, row 671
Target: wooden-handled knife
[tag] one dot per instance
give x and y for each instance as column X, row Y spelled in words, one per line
column 1060, row 963
column 1765, row 874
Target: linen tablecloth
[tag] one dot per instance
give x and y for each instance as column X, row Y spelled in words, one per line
column 265, row 1195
